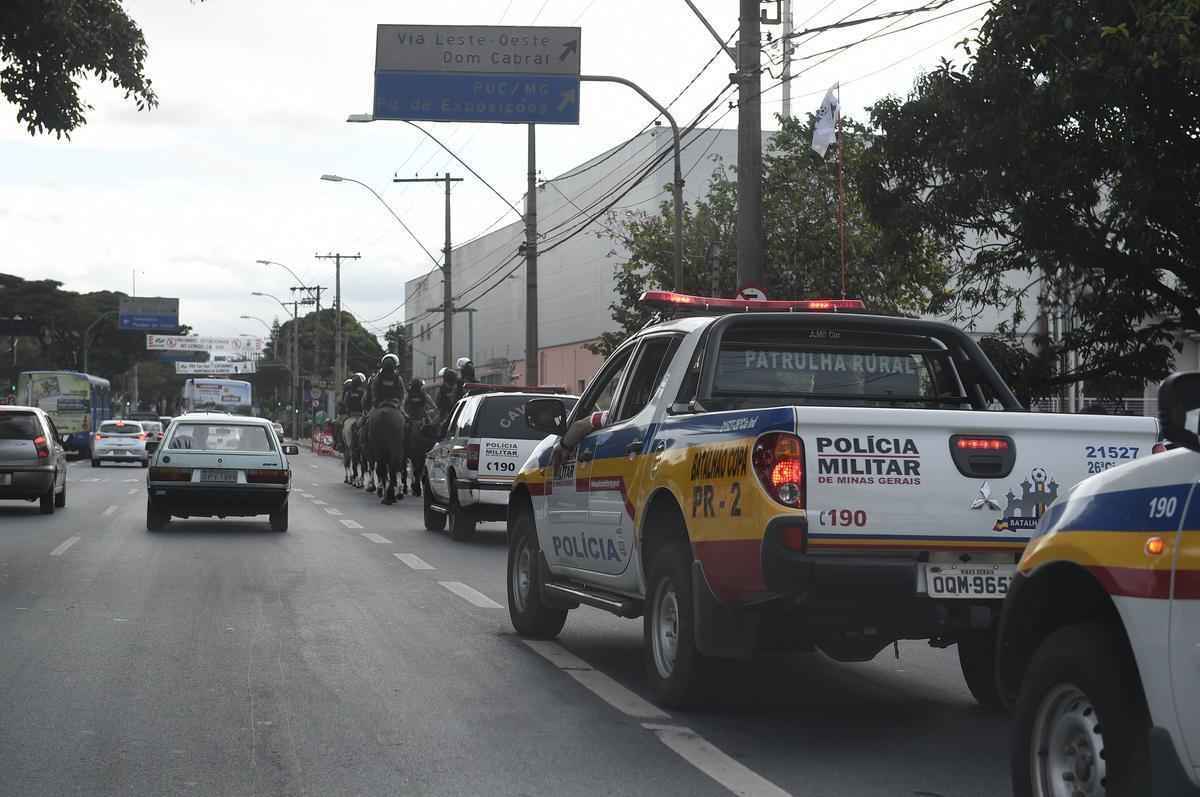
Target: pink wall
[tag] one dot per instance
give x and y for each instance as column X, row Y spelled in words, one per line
column 564, row 366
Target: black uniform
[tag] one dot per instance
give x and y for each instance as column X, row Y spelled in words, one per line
column 448, row 394
column 388, row 386
column 417, row 405
column 468, row 373
column 352, row 397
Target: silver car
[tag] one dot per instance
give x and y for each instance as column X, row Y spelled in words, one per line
column 120, row 441
column 219, row 465
column 33, row 462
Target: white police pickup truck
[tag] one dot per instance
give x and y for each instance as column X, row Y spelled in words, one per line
column 768, row 475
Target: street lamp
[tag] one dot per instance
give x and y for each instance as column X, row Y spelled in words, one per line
column 295, row 368
column 299, row 282
column 270, row 329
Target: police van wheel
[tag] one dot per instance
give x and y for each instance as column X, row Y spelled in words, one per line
column 1081, row 723
column 977, row 658
column 529, row 616
column 434, row 520
column 462, row 525
column 675, row 668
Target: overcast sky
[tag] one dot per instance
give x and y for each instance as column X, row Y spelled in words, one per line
column 253, row 97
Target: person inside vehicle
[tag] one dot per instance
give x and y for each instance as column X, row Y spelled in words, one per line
column 388, row 387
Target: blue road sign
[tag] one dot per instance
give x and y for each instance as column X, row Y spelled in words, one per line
column 148, row 323
column 469, row 97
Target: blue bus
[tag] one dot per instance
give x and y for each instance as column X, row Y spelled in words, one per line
column 77, row 402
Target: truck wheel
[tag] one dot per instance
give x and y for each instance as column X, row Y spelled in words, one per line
column 674, row 667
column 529, row 616
column 60, row 500
column 279, row 519
column 977, row 657
column 156, row 520
column 462, row 525
column 1081, row 724
column 434, row 520
column 47, row 502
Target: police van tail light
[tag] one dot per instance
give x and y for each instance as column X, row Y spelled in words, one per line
column 473, row 456
column 779, row 464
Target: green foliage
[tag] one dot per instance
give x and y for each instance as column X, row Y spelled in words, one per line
column 893, row 269
column 363, row 351
column 48, row 46
column 1061, row 163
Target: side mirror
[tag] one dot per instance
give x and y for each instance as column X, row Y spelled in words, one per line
column 291, row 449
column 546, row 415
column 1177, row 396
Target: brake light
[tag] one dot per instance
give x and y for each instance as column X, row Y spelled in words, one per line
column 264, row 476
column 43, row 450
column 779, row 464
column 141, row 436
column 99, row 436
column 981, row 443
column 161, row 474
column 473, row 456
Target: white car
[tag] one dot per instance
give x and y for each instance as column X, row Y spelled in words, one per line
column 471, row 469
column 1099, row 646
column 278, row 427
column 120, row 441
column 218, row 465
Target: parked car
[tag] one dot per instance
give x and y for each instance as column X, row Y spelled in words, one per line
column 33, row 462
column 120, row 441
column 217, row 465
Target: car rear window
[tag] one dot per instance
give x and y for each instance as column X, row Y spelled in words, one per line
column 19, row 426
column 120, row 427
column 504, row 417
column 833, row 367
column 152, row 426
column 220, row 437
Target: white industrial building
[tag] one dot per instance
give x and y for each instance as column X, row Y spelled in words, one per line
column 575, row 279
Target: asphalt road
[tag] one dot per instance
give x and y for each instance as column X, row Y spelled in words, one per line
column 359, row 654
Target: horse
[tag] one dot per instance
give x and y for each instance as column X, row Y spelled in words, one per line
column 420, row 435
column 386, row 443
column 362, row 445
column 350, row 452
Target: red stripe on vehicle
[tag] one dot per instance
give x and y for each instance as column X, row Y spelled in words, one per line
column 1187, row 585
column 538, row 488
column 733, row 567
column 1133, row 582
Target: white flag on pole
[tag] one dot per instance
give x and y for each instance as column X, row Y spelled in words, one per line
column 825, row 127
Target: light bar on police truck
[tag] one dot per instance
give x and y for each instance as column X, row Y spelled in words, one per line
column 682, row 302
column 483, row 387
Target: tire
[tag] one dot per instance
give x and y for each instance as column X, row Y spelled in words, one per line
column 145, row 463
column 977, row 658
column 530, row 617
column 462, row 525
column 60, row 500
column 1083, row 684
column 156, row 520
column 676, row 676
column 434, row 520
column 279, row 519
column 47, row 502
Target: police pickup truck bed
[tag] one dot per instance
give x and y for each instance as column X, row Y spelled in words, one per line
column 791, row 478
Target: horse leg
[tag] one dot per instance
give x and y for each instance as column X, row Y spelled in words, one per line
column 418, row 464
column 387, row 481
column 397, row 473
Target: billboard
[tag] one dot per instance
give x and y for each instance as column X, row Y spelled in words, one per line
column 148, row 314
column 213, row 369
column 239, row 345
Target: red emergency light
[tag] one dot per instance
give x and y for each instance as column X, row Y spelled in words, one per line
column 669, row 300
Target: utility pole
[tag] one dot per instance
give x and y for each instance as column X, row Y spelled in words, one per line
column 787, row 59
column 446, row 267
column 751, row 240
column 339, row 365
column 531, row 246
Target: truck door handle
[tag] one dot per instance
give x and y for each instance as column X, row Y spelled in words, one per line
column 587, row 454
column 634, row 448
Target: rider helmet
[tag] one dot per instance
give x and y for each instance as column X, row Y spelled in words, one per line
column 390, row 362
column 359, row 378
column 347, row 383
column 463, row 362
column 448, row 375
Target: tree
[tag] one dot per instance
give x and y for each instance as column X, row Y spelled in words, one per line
column 894, row 270
column 1061, row 163
column 47, row 46
column 363, row 349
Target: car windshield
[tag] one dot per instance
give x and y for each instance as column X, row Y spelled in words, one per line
column 120, row 427
column 19, row 426
column 220, row 437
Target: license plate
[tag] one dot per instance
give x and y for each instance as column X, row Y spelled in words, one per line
column 5, row 479
column 968, row 580
column 218, row 475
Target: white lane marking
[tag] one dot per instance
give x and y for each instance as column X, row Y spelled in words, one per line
column 616, row 695
column 414, row 561
column 351, row 524
column 314, row 484
column 556, row 654
column 132, row 481
column 133, row 491
column 470, row 595
column 377, row 539
column 331, row 510
column 110, row 510
column 120, row 620
column 313, row 465
column 64, row 545
column 317, row 501
column 700, row 753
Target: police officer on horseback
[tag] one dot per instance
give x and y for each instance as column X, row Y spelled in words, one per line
column 447, row 395
column 388, row 386
column 353, row 393
column 417, row 405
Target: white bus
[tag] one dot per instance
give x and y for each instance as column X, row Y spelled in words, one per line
column 222, row 395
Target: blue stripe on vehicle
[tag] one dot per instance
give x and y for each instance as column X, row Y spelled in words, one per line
column 1121, row 510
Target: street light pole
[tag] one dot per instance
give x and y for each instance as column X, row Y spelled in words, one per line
column 339, row 361
column 295, row 356
column 87, row 337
